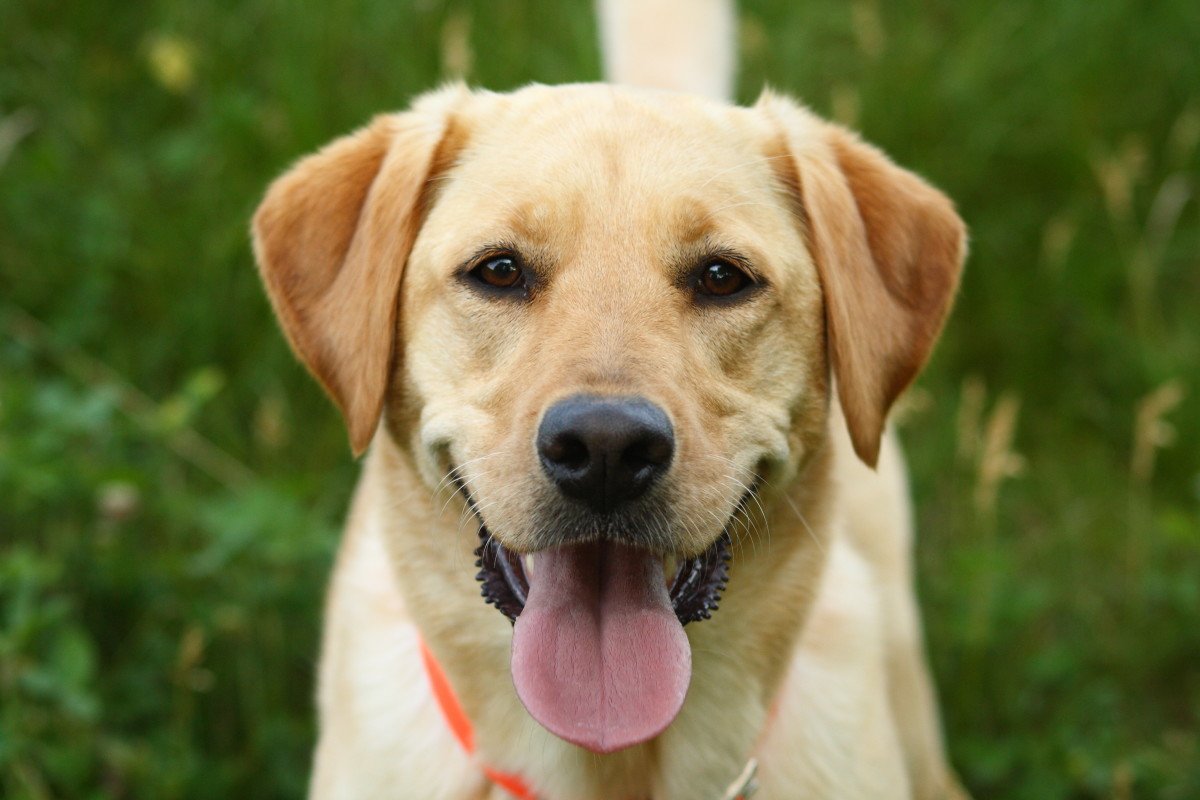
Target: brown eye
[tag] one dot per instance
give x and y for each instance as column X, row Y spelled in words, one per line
column 500, row 272
column 722, row 279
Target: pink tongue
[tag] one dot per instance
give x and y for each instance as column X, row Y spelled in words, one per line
column 599, row 657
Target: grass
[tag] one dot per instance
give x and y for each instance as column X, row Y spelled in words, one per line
column 171, row 483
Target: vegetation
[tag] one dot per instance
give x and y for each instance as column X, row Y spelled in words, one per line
column 171, row 482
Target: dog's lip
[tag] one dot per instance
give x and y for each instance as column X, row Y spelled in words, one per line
column 695, row 587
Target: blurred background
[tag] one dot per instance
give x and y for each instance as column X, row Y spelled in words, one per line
column 172, row 482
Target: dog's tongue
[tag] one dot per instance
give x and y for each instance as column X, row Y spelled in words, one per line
column 599, row 657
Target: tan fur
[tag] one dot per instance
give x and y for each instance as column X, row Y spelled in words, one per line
column 813, row 662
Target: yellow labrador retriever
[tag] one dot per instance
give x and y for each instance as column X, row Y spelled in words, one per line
column 591, row 335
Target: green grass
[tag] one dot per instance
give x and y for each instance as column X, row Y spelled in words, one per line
column 171, row 483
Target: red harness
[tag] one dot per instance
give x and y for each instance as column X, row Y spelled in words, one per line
column 460, row 726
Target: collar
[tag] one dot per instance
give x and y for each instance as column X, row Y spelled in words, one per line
column 460, row 725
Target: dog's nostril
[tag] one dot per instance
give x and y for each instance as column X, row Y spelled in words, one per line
column 605, row 451
column 649, row 452
column 567, row 450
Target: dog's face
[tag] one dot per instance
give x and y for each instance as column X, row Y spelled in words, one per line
column 609, row 319
column 595, row 258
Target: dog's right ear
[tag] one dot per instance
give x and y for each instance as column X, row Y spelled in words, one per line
column 331, row 239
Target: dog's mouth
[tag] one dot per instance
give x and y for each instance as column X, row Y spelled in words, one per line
column 694, row 588
column 599, row 655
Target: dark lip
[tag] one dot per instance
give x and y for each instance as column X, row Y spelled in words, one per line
column 695, row 588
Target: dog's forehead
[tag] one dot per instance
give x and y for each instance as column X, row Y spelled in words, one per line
column 546, row 128
column 545, row 161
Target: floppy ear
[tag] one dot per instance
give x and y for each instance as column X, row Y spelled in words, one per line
column 889, row 250
column 331, row 238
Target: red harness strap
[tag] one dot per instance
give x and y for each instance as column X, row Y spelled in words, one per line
column 460, row 725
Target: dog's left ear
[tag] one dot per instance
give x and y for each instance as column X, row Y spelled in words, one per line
column 331, row 238
column 889, row 250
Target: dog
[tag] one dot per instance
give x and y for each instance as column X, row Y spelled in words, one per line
column 623, row 358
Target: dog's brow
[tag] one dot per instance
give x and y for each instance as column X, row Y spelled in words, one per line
column 716, row 211
column 504, row 199
column 751, row 162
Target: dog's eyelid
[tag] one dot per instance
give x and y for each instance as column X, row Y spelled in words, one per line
column 737, row 259
column 490, row 251
column 722, row 276
column 706, row 251
column 499, row 271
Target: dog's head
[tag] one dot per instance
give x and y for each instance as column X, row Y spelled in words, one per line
column 609, row 317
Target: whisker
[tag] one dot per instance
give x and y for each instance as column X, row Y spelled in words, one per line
column 804, row 522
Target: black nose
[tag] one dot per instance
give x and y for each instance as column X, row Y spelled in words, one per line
column 605, row 451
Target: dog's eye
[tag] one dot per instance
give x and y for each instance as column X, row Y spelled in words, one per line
column 722, row 279
column 500, row 272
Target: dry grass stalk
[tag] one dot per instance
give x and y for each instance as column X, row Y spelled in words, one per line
column 753, row 39
column 270, row 421
column 997, row 460
column 1144, row 246
column 1118, row 174
column 1058, row 236
column 1151, row 431
column 915, row 401
column 868, row 28
column 845, row 104
column 1184, row 137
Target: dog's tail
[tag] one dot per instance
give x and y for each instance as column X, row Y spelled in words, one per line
column 682, row 45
